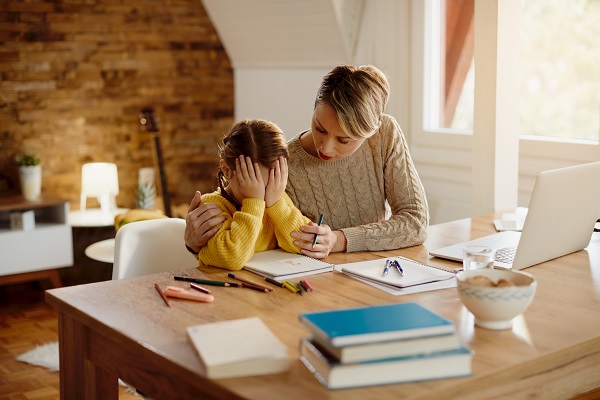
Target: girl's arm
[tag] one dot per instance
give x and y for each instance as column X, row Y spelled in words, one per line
column 233, row 245
column 286, row 218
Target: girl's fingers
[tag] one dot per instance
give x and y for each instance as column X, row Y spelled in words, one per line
column 284, row 170
column 243, row 167
column 257, row 174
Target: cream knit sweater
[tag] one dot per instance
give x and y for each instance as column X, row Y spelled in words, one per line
column 352, row 192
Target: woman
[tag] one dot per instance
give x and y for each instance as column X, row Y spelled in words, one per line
column 350, row 163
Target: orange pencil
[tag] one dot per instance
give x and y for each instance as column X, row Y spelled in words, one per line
column 162, row 294
column 249, row 282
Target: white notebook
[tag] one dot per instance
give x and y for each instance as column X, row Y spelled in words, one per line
column 415, row 273
column 239, row 347
column 280, row 265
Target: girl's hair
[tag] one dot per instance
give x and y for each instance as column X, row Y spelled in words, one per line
column 358, row 95
column 258, row 139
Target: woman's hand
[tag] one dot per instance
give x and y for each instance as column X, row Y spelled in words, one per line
column 328, row 241
column 201, row 222
column 250, row 180
column 277, row 181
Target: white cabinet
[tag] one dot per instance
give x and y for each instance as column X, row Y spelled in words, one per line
column 47, row 246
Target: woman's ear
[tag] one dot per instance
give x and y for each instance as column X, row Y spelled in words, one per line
column 225, row 169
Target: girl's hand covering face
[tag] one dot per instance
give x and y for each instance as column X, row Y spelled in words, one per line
column 250, row 180
column 277, row 182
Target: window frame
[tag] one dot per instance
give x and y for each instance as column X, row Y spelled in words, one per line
column 545, row 151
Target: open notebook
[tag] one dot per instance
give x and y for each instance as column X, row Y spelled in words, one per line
column 280, row 265
column 415, row 273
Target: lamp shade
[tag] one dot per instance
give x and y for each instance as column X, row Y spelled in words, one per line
column 99, row 179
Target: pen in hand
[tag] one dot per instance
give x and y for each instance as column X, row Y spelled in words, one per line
column 318, row 224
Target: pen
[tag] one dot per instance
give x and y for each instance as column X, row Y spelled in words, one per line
column 249, row 283
column 200, row 288
column 273, row 281
column 162, row 294
column 290, row 287
column 206, row 281
column 387, row 267
column 319, row 224
column 399, row 267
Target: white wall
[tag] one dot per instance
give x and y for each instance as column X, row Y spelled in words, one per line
column 284, row 96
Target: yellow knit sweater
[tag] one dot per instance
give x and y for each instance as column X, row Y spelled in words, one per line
column 252, row 229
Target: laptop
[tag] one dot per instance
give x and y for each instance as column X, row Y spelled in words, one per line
column 563, row 210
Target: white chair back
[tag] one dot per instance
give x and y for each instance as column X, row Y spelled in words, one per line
column 151, row 246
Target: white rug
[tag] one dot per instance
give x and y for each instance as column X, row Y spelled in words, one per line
column 47, row 356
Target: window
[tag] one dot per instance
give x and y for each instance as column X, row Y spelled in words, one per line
column 560, row 68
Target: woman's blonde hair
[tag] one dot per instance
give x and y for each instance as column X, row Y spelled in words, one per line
column 358, row 95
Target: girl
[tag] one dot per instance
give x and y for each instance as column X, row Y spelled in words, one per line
column 258, row 214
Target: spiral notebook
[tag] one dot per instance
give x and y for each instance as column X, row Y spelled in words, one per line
column 280, row 265
column 415, row 273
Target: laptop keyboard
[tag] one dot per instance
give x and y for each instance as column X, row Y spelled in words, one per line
column 506, row 255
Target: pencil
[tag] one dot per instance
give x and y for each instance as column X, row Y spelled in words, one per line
column 290, row 287
column 254, row 287
column 249, row 282
column 273, row 281
column 301, row 289
column 303, row 286
column 319, row 224
column 200, row 288
column 206, row 281
column 308, row 286
column 162, row 294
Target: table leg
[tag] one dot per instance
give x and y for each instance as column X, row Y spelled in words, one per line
column 79, row 377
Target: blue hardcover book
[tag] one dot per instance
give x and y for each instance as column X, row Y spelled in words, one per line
column 352, row 326
column 335, row 375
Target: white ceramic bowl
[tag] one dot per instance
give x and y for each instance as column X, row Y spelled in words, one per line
column 495, row 307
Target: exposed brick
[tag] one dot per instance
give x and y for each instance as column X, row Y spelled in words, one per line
column 76, row 74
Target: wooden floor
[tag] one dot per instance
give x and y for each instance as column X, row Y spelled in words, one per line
column 26, row 321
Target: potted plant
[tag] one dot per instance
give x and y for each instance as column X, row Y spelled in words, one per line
column 30, row 174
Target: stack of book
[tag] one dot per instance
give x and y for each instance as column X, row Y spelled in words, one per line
column 383, row 344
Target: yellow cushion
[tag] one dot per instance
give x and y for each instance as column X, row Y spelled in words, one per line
column 137, row 214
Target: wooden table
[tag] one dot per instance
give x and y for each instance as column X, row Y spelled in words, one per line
column 123, row 329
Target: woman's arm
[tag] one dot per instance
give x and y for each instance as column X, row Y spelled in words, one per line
column 404, row 192
column 201, row 223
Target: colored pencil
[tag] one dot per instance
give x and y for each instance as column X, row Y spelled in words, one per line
column 162, row 294
column 249, row 282
column 207, row 281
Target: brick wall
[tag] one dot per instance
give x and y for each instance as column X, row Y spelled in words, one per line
column 76, row 73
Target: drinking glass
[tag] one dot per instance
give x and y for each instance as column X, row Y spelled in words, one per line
column 478, row 257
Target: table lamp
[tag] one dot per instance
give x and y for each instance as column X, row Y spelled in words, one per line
column 100, row 180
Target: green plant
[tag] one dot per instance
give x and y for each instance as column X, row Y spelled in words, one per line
column 146, row 194
column 27, row 160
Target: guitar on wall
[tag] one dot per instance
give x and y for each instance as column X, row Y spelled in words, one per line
column 148, row 123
